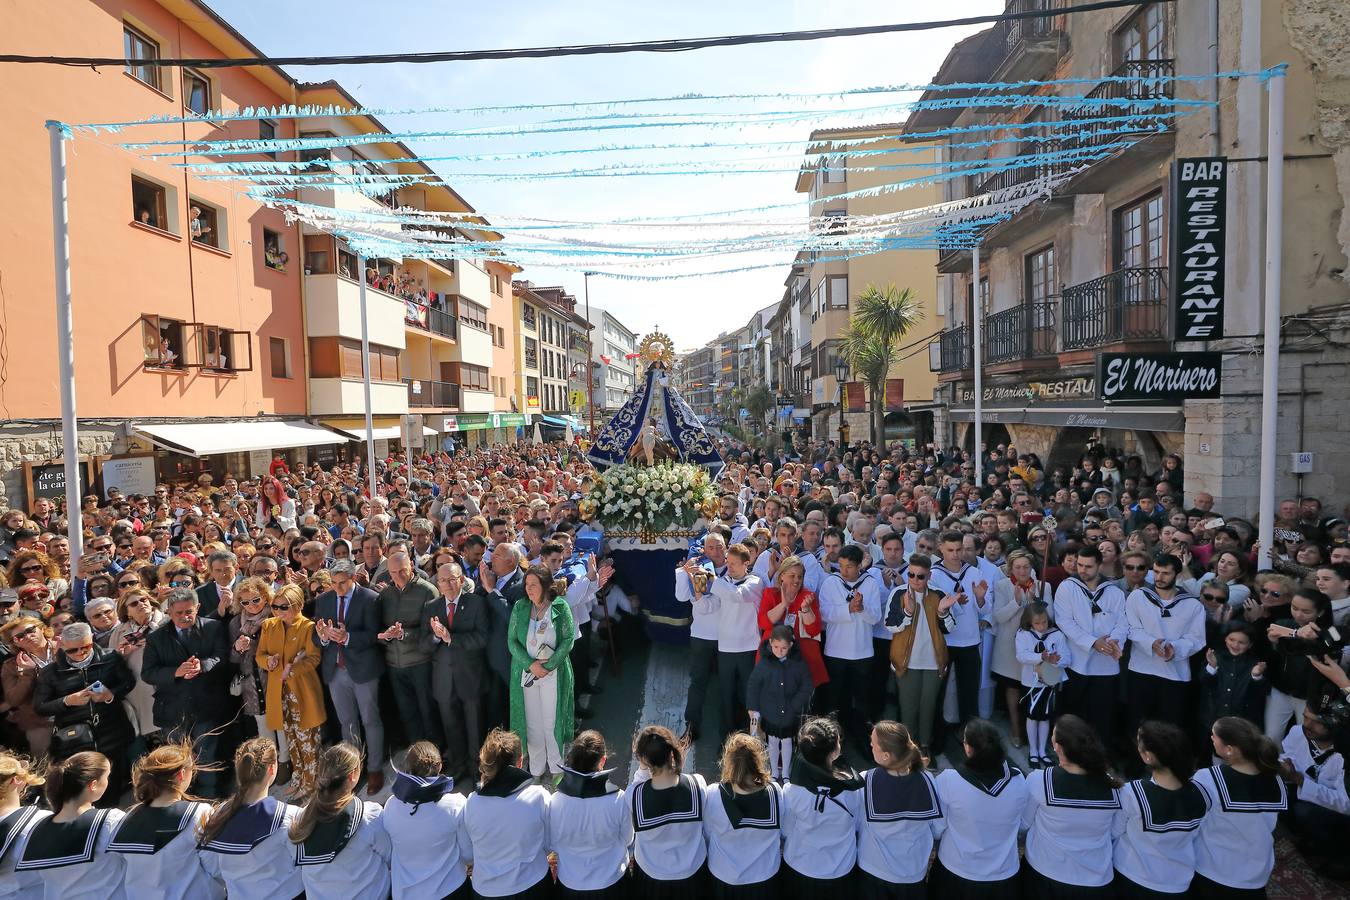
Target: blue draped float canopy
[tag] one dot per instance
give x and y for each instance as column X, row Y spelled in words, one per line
column 678, row 423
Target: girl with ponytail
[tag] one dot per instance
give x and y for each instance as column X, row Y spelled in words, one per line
column 423, row 818
column 69, row 851
column 158, row 838
column 17, row 820
column 243, row 841
column 669, row 850
column 744, row 822
column 589, row 824
column 821, row 803
column 505, row 829
column 340, row 847
column 900, row 818
column 1235, row 846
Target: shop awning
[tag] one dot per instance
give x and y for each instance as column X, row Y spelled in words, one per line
column 998, row 414
column 210, row 438
column 387, row 433
column 555, row 421
column 1136, row 418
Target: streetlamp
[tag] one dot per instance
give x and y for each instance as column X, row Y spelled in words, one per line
column 841, row 376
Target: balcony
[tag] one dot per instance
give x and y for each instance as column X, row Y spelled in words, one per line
column 954, row 349
column 424, row 394
column 1026, row 331
column 1126, row 305
column 1135, row 94
column 1030, row 46
column 428, row 318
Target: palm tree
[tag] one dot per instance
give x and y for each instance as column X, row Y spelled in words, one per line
column 880, row 320
column 758, row 401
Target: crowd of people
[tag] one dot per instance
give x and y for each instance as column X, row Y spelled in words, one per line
column 848, row 607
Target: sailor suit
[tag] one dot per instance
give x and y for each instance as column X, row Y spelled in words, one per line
column 252, row 854
column 978, row 854
column 702, row 639
column 14, row 831
column 1155, row 831
column 591, row 829
column 1038, row 701
column 1068, row 818
column 901, row 818
column 669, row 851
column 966, row 638
column 72, row 858
column 505, row 836
column 160, row 844
column 1085, row 614
column 1235, row 847
column 820, row 824
column 346, row 856
column 422, row 819
column 1323, row 772
column 745, row 836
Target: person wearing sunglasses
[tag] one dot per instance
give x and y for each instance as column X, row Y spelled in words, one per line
column 293, row 702
column 919, row 618
column 35, row 567
column 137, row 617
column 82, row 691
column 34, row 649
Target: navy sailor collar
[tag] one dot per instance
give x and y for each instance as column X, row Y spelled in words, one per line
column 149, row 829
column 248, row 827
column 329, row 838
column 416, row 790
column 1163, row 810
column 505, row 783
column 1068, row 789
column 586, row 785
column 754, row 810
column 990, row 781
column 15, row 823
column 1242, row 793
column 654, row 807
column 890, row 798
column 52, row 845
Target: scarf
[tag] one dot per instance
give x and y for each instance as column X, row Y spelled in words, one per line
column 827, row 786
column 251, row 623
column 585, row 785
column 415, row 790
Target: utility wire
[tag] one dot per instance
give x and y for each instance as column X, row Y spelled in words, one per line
column 676, row 45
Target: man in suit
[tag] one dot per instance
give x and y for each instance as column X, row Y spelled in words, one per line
column 217, row 595
column 456, row 634
column 501, row 582
column 347, row 618
column 187, row 661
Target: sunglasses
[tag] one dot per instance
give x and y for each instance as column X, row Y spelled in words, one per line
column 252, row 601
column 1136, row 568
column 918, row 576
column 80, row 650
column 37, row 595
column 1217, row 598
column 130, row 582
column 181, row 583
column 1267, row 592
column 1040, row 537
column 266, row 546
column 27, row 632
column 123, row 546
column 281, row 607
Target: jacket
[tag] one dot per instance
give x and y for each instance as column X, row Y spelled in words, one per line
column 140, row 703
column 902, row 642
column 1232, row 691
column 499, row 603
column 362, row 655
column 296, row 646
column 779, row 689
column 464, row 659
column 405, row 606
column 111, row 729
column 181, row 701
column 18, row 690
column 558, row 663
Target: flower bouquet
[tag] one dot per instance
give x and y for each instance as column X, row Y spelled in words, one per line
column 661, row 498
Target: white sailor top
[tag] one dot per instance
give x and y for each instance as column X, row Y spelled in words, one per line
column 901, row 820
column 1068, row 820
column 744, row 832
column 505, row 834
column 668, row 842
column 820, row 821
column 880, row 631
column 704, row 610
column 1030, row 644
column 737, row 601
column 1084, row 615
column 160, row 843
column 968, row 615
column 14, row 831
column 983, row 812
column 591, row 828
column 423, row 818
column 1323, row 772
column 1155, row 831
column 1179, row 621
column 347, row 856
column 1235, row 846
column 848, row 635
column 72, row 858
column 253, row 855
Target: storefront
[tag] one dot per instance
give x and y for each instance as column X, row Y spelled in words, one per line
column 186, row 451
column 481, row 429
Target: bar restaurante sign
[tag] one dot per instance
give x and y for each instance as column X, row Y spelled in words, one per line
column 1075, row 388
column 1160, row 376
column 1199, row 223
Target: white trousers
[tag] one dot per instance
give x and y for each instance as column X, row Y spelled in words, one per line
column 541, row 714
column 780, row 757
column 278, row 737
column 1280, row 707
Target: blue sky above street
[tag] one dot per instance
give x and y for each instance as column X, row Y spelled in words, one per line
column 691, row 309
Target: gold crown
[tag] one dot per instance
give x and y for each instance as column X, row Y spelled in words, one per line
column 656, row 347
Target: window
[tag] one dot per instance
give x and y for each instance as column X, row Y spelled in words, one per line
column 267, row 131
column 149, row 203
column 474, row 378
column 135, row 47
column 279, row 355
column 324, row 153
column 834, row 221
column 205, row 224
column 527, row 316
column 1143, row 37
column 1139, row 234
column 834, row 168
column 473, row 314
column 162, row 342
column 531, row 353
column 196, row 92
column 341, row 358
column 837, row 293
column 274, row 256
column 1040, row 275
column 531, row 387
column 496, row 282
column 347, row 262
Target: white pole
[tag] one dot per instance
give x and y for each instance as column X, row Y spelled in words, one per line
column 1270, row 373
column 977, row 330
column 65, row 339
column 365, row 377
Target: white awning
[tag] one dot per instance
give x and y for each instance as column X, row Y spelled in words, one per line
column 389, row 433
column 210, row 438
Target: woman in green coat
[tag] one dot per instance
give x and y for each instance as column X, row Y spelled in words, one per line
column 540, row 637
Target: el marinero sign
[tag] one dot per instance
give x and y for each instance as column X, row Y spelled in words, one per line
column 1199, row 223
column 1159, row 377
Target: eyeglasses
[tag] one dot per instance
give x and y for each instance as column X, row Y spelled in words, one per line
column 80, row 650
column 1040, row 537
column 181, row 583
column 1130, row 568
column 35, row 567
column 103, row 614
column 138, row 601
column 1267, row 592
column 252, row 601
column 918, row 576
column 129, row 583
column 281, row 607
column 1217, row 598
column 26, row 633
column 266, row 546
column 123, row 546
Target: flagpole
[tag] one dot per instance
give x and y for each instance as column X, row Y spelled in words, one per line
column 590, row 357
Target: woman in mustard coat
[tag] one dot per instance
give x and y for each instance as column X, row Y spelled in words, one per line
column 289, row 655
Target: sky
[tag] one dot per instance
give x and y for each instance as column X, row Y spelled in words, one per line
column 692, row 309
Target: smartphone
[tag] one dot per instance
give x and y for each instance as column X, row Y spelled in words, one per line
column 97, row 687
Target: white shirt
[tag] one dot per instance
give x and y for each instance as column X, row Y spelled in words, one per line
column 1323, row 782
column 968, row 615
column 704, row 626
column 848, row 635
column 746, row 855
column 1054, row 642
column 1235, row 845
column 175, row 871
column 1155, row 838
column 878, row 574
column 591, row 836
column 820, row 832
column 981, row 839
column 580, row 597
column 21, row 885
column 894, row 846
column 1183, row 627
column 99, row 879
column 668, row 844
column 1074, row 616
column 267, row 872
column 813, row 574
column 923, row 652
column 1068, row 837
column 506, row 840
column 361, row 868
column 737, row 613
column 424, row 861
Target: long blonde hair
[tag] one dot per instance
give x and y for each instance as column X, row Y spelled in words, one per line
column 15, row 766
column 158, row 771
column 333, row 786
column 744, row 762
column 252, row 761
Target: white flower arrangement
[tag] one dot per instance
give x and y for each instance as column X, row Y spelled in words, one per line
column 664, row 497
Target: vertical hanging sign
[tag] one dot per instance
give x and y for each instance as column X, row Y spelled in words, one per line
column 1199, row 223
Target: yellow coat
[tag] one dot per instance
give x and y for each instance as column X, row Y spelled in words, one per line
column 277, row 639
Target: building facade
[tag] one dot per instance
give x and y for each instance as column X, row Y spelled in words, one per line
column 614, row 366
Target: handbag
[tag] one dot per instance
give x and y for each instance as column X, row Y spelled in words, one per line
column 237, row 685
column 68, row 739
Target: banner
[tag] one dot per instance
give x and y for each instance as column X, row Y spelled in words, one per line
column 895, row 395
column 855, row 400
column 1160, row 376
column 1199, row 221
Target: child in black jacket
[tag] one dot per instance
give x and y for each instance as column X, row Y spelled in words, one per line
column 1234, row 682
column 777, row 695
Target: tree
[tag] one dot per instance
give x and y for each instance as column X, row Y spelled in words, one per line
column 758, row 401
column 880, row 320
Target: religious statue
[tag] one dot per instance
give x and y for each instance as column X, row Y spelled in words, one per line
column 651, row 447
column 649, row 437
